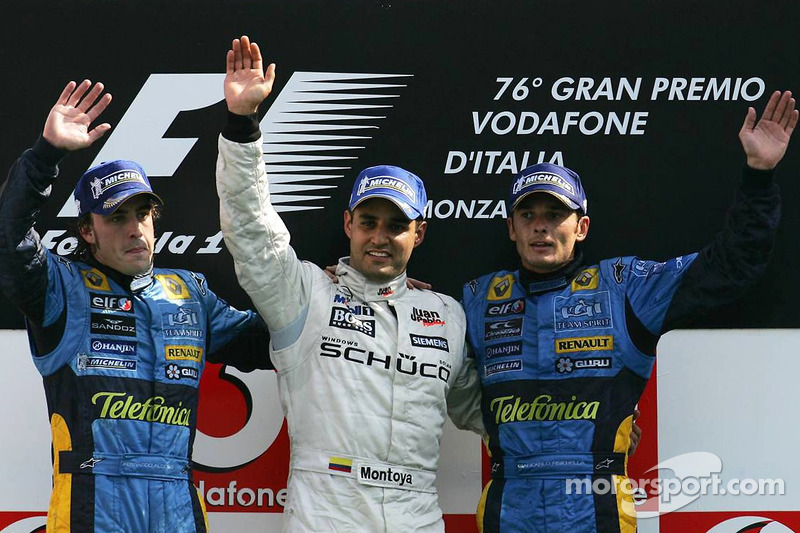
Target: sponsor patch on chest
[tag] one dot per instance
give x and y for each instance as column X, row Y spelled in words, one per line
column 585, row 311
column 502, row 329
column 103, row 324
column 344, row 318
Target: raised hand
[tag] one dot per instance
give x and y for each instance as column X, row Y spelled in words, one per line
column 68, row 124
column 246, row 84
column 765, row 142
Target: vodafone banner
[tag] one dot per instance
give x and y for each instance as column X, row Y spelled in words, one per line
column 644, row 99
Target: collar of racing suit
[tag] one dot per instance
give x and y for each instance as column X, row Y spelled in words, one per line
column 535, row 283
column 134, row 283
column 369, row 291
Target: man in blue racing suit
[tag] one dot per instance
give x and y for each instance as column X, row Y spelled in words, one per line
column 121, row 346
column 565, row 349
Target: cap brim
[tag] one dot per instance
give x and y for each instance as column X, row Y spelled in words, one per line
column 123, row 197
column 409, row 212
column 564, row 200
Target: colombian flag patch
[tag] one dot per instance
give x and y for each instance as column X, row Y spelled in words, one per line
column 341, row 464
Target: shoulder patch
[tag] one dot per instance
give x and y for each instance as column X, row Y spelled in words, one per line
column 174, row 286
column 94, row 279
column 586, row 280
column 500, row 288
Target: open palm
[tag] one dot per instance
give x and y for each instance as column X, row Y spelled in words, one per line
column 765, row 141
column 246, row 85
column 68, row 125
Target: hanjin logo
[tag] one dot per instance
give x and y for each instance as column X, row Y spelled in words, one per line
column 114, row 347
column 502, row 350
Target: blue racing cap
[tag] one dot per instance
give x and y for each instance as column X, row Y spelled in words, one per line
column 400, row 186
column 103, row 188
column 555, row 180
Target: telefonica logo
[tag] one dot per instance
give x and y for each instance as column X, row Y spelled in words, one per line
column 119, row 405
column 515, row 409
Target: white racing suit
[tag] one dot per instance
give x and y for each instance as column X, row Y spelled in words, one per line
column 366, row 371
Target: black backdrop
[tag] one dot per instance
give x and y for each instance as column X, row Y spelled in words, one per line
column 659, row 194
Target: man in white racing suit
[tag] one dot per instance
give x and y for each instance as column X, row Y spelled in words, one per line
column 367, row 369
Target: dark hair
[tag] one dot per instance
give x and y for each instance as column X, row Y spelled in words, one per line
column 84, row 222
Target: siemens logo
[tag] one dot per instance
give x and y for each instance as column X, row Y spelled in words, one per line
column 422, row 341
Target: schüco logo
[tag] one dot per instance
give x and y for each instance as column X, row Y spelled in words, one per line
column 403, row 363
column 318, row 156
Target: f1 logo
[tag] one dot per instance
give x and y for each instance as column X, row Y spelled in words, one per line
column 310, row 108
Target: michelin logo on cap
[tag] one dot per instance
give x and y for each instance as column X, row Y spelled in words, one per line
column 542, row 177
column 556, row 180
column 100, row 185
column 398, row 185
column 386, row 182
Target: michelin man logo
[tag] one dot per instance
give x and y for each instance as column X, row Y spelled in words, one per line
column 96, row 187
column 312, row 131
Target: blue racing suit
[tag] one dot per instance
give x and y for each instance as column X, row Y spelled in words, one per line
column 121, row 360
column 563, row 359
